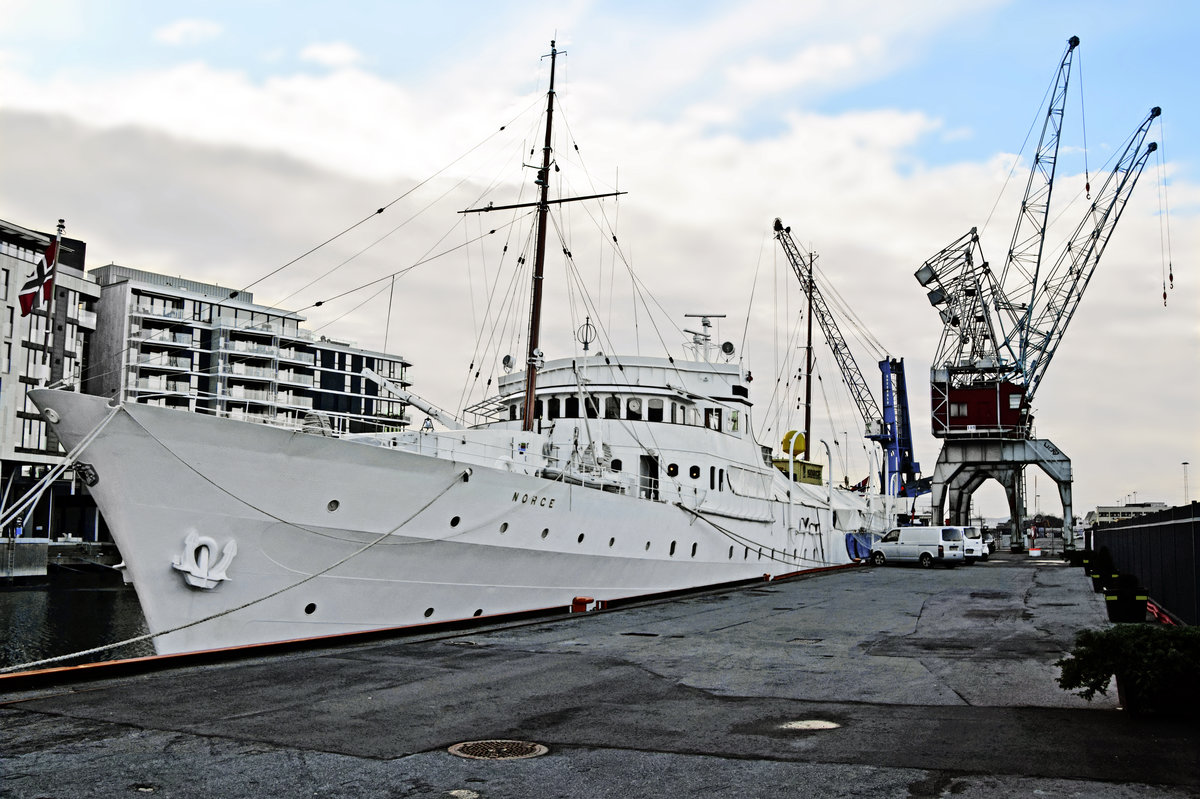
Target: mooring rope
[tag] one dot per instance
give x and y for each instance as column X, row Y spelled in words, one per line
column 149, row 636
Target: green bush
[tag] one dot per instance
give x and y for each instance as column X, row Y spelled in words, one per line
column 1156, row 666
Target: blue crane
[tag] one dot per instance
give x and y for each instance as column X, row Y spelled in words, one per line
column 890, row 427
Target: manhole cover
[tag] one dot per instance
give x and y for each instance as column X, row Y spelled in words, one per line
column 497, row 750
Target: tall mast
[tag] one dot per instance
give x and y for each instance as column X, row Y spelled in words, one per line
column 533, row 361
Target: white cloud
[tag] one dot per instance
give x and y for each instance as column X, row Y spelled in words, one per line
column 335, row 55
column 187, row 32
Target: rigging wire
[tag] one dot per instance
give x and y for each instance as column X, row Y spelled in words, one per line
column 388, row 205
column 1087, row 184
column 1164, row 214
column 424, row 260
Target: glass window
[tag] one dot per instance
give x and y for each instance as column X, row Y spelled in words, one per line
column 591, row 406
column 552, row 408
column 1014, row 402
column 734, row 420
column 633, row 408
column 654, row 410
column 612, row 407
column 571, row 409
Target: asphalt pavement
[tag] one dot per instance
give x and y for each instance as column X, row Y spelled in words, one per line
column 888, row 682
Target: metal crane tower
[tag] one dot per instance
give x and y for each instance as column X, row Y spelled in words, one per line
column 1000, row 332
column 890, row 427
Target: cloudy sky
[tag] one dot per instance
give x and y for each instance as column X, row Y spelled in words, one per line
column 221, row 140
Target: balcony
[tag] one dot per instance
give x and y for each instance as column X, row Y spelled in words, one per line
column 243, row 393
column 229, row 345
column 87, row 319
column 160, row 360
column 262, row 328
column 298, row 357
column 157, row 313
column 253, row 372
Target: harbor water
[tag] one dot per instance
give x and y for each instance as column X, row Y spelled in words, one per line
column 64, row 616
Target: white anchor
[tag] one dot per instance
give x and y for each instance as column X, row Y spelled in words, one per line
column 195, row 561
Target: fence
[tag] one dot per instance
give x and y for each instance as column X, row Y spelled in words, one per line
column 1163, row 551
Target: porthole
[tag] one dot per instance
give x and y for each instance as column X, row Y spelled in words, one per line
column 332, row 505
column 694, row 472
column 672, row 552
column 478, row 612
column 310, row 609
column 545, row 532
column 611, row 541
column 580, row 539
column 503, row 527
column 428, row 612
column 454, row 522
column 693, row 549
column 672, row 469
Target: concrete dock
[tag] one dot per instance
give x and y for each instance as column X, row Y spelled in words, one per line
column 888, row 682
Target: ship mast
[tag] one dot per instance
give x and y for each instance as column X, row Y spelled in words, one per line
column 534, row 359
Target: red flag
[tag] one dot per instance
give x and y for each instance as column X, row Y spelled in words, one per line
column 41, row 279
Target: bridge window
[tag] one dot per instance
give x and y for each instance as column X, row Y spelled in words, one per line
column 633, row 409
column 552, row 408
column 512, row 412
column 654, row 410
column 733, row 421
column 1014, row 402
column 591, row 406
column 958, row 409
column 571, row 408
column 612, row 407
column 712, row 418
column 616, row 464
column 537, row 409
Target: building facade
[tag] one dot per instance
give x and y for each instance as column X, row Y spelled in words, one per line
column 48, row 346
column 1107, row 514
column 149, row 338
column 203, row 348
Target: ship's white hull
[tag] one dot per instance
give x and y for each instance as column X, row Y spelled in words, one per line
column 332, row 537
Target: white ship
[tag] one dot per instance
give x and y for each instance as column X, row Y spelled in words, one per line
column 594, row 479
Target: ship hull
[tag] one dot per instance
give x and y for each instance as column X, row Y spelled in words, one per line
column 236, row 533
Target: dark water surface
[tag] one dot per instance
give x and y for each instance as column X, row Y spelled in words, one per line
column 57, row 619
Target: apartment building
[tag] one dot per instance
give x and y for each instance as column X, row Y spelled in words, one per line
column 203, row 348
column 48, row 346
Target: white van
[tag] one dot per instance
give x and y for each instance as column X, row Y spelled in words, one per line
column 973, row 546
column 924, row 545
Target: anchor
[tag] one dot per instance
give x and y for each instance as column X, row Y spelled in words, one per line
column 195, row 561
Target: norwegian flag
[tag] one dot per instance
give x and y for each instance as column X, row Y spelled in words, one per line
column 41, row 282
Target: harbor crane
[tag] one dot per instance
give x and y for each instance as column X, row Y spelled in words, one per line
column 890, row 427
column 1000, row 331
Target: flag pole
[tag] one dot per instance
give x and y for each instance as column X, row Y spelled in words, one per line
column 50, row 305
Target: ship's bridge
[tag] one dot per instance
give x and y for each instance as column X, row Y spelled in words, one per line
column 637, row 388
